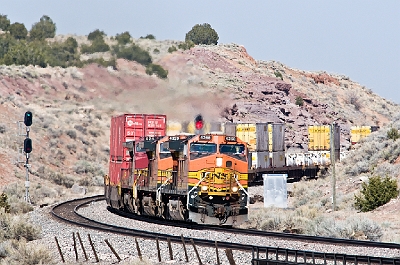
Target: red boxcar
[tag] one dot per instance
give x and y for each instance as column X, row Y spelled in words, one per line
column 131, row 127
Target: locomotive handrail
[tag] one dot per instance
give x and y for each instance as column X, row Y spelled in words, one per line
column 240, row 186
column 158, row 194
column 195, row 186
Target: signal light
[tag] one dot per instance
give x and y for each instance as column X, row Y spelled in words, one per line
column 28, row 118
column 198, row 122
column 27, row 145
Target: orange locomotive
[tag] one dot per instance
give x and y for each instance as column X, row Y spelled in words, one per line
column 199, row 178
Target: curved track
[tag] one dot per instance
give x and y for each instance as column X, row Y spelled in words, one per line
column 67, row 211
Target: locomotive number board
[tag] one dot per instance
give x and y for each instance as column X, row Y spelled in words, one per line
column 230, row 138
column 205, row 137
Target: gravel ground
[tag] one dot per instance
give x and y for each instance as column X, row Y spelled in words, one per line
column 126, row 247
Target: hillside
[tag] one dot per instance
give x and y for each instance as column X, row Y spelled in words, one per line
column 72, row 107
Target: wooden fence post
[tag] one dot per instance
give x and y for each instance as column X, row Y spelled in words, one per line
column 59, row 250
column 171, row 256
column 195, row 250
column 83, row 248
column 158, row 250
column 112, row 249
column 184, row 248
column 229, row 255
column 75, row 250
column 138, row 250
column 94, row 250
column 216, row 250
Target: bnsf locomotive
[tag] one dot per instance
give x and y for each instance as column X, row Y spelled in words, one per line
column 188, row 177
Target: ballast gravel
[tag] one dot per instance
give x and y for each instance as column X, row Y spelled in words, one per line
column 126, row 248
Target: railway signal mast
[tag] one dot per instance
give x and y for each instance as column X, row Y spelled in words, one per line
column 27, row 150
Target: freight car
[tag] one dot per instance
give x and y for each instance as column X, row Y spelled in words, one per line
column 200, row 178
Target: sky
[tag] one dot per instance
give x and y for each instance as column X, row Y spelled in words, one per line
column 358, row 38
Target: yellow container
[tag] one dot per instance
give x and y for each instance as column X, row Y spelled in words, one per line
column 319, row 137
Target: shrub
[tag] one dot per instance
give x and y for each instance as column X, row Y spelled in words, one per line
column 18, row 252
column 172, row 49
column 186, row 45
column 4, row 22
column 278, row 75
column 393, row 134
column 26, row 53
column 156, row 69
column 18, row 30
column 4, row 202
column 202, row 34
column 156, row 51
column 133, row 53
column 45, row 28
column 98, row 45
column 149, row 36
column 123, row 38
column 375, row 193
column 299, row 101
column 6, row 42
column 71, row 133
column 96, row 34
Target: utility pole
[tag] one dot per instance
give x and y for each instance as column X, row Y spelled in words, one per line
column 332, row 143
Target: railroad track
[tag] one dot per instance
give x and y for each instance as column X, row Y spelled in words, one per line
column 253, row 232
column 67, row 212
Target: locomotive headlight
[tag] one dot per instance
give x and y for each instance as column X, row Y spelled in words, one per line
column 218, row 162
column 204, row 188
column 234, row 189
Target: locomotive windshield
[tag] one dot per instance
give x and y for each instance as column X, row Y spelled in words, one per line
column 164, row 150
column 198, row 150
column 234, row 150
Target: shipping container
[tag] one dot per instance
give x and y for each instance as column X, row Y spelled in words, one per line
column 260, row 137
column 278, row 159
column 319, row 137
column 132, row 127
column 359, row 132
column 260, row 160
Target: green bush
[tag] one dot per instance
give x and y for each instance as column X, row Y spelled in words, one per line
column 4, row 202
column 4, row 22
column 6, row 42
column 19, row 252
column 96, row 34
column 43, row 29
column 156, row 69
column 149, row 36
column 98, row 45
column 133, row 53
column 278, row 75
column 202, row 34
column 63, row 54
column 26, row 53
column 376, row 193
column 186, row 45
column 18, row 31
column 393, row 134
column 172, row 49
column 123, row 38
column 299, row 101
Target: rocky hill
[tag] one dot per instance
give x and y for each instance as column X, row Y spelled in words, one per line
column 72, row 107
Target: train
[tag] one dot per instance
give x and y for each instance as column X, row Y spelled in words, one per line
column 201, row 178
column 200, row 172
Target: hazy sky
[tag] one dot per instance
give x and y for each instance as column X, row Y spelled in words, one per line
column 356, row 38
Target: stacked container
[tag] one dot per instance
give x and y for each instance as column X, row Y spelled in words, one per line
column 359, row 132
column 131, row 127
column 266, row 142
column 319, row 141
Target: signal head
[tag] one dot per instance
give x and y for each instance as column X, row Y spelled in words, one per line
column 27, row 145
column 198, row 122
column 28, row 118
